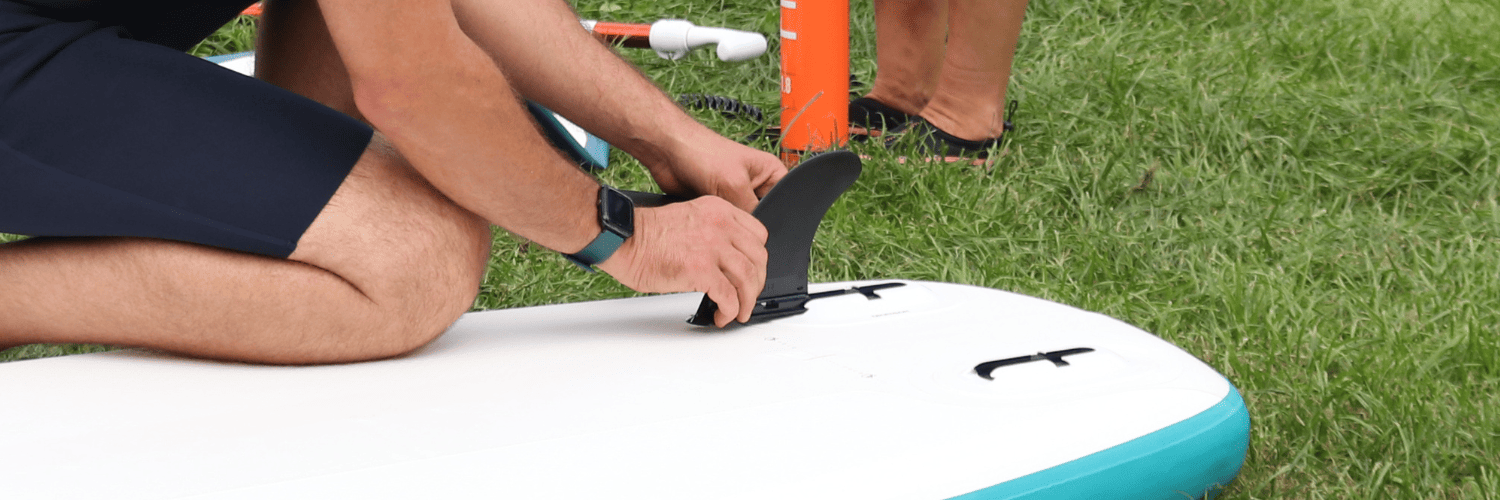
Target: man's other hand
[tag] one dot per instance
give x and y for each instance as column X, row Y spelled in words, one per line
column 715, row 166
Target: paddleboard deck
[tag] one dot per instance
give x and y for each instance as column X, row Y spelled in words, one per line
column 857, row 398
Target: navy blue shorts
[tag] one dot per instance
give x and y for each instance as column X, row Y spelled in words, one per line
column 108, row 128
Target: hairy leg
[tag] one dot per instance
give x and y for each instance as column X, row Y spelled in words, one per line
column 970, row 98
column 385, row 268
column 908, row 51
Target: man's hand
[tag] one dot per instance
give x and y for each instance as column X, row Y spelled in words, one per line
column 705, row 245
column 711, row 165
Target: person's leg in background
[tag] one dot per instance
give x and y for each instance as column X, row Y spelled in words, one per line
column 909, row 45
column 969, row 102
column 946, row 61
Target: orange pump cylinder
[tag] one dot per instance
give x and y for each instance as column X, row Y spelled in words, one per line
column 814, row 76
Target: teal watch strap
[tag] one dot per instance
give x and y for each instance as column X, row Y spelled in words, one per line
column 616, row 221
column 597, row 251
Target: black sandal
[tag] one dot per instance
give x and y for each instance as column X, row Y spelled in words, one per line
column 934, row 142
column 871, row 118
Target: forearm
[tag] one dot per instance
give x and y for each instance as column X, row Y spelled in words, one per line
column 553, row 61
column 454, row 118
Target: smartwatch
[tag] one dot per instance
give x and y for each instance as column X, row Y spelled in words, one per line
column 617, row 220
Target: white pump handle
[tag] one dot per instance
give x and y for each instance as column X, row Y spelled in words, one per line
column 673, row 38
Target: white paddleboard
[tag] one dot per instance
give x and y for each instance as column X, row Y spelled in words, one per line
column 857, row 398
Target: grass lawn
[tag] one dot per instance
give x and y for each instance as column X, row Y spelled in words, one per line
column 1303, row 193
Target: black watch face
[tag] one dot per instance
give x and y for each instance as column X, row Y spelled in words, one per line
column 616, row 212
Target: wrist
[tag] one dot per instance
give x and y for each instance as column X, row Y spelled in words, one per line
column 660, row 145
column 579, row 226
column 624, row 258
column 616, row 221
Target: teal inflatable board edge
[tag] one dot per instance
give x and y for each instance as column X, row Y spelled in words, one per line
column 1194, row 458
column 223, row 58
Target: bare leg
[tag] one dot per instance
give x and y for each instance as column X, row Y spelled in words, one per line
column 909, row 38
column 386, row 267
column 970, row 98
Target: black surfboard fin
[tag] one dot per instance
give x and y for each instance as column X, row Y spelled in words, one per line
column 791, row 213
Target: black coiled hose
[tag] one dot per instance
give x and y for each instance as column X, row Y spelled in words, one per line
column 729, row 107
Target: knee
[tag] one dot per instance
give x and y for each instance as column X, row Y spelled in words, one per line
column 437, row 284
column 416, row 257
column 426, row 283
